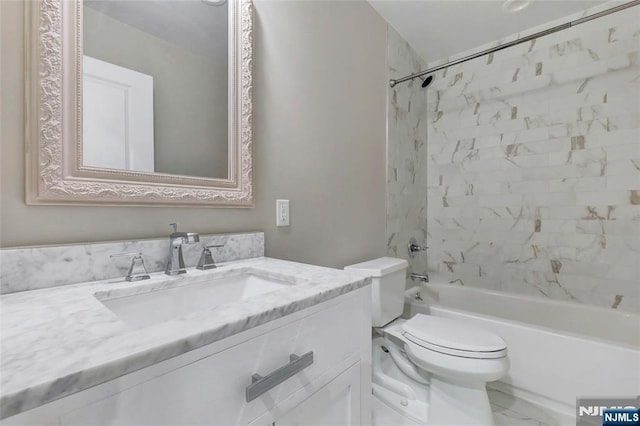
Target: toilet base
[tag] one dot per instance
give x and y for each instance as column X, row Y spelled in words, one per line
column 383, row 415
column 412, row 409
column 394, row 389
column 438, row 403
column 458, row 404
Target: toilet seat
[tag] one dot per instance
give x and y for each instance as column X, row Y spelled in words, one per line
column 452, row 337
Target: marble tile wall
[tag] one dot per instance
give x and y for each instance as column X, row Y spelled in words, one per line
column 31, row 268
column 406, row 154
column 534, row 167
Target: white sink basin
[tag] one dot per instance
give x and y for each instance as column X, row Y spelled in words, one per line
column 141, row 310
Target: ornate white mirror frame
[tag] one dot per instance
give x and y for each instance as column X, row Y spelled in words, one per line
column 54, row 170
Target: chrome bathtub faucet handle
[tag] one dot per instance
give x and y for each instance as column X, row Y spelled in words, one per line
column 414, row 248
column 206, row 259
column 137, row 270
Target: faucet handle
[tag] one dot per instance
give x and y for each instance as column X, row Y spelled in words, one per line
column 137, row 270
column 414, row 248
column 206, row 259
column 175, row 226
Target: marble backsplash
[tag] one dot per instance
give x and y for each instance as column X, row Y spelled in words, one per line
column 534, row 167
column 30, row 268
column 406, row 154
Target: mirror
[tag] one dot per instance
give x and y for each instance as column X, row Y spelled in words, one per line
column 154, row 87
column 140, row 102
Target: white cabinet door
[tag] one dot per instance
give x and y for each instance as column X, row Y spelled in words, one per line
column 331, row 335
column 207, row 392
column 337, row 403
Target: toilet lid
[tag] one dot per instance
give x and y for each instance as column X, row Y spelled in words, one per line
column 453, row 337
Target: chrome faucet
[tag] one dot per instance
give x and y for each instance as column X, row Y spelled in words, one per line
column 175, row 262
column 419, row 277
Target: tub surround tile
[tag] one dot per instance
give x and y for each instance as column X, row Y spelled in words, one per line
column 61, row 340
column 407, row 154
column 533, row 161
column 31, row 268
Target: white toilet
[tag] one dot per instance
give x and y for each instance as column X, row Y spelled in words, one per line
column 432, row 370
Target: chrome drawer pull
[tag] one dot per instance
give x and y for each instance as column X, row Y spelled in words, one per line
column 260, row 384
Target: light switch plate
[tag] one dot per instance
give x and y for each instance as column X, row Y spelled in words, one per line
column 282, row 212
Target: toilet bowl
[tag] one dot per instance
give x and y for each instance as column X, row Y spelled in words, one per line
column 459, row 360
column 441, row 365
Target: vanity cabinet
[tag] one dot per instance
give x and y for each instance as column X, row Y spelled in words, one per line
column 207, row 386
column 335, row 403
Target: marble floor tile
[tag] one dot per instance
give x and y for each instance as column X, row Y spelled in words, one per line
column 383, row 415
column 507, row 411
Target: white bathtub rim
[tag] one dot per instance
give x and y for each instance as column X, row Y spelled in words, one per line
column 410, row 296
column 534, row 299
column 553, row 331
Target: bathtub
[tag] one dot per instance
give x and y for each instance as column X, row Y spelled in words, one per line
column 558, row 350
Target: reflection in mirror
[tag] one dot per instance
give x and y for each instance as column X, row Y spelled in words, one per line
column 155, row 86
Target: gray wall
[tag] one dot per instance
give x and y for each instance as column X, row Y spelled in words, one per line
column 319, row 124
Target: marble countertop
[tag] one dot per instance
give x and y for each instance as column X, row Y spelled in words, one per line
column 61, row 340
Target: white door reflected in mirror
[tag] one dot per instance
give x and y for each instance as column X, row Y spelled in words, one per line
column 117, row 125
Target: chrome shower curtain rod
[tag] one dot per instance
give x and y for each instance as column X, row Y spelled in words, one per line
column 512, row 43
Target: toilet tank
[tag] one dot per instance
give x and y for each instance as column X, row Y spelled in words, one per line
column 387, row 288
